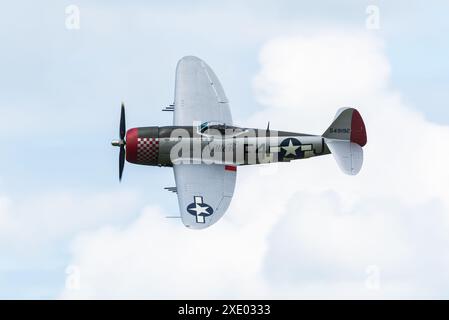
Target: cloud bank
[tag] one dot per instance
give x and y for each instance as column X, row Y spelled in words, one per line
column 302, row 229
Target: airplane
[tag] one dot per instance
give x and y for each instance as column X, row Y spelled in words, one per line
column 204, row 148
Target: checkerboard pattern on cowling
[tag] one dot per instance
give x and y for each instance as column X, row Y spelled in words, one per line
column 147, row 149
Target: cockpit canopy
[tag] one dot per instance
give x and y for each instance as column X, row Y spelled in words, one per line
column 213, row 128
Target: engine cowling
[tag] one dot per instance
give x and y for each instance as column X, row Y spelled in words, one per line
column 142, row 145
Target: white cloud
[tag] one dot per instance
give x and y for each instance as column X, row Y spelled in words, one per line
column 33, row 222
column 306, row 230
column 161, row 258
column 289, row 79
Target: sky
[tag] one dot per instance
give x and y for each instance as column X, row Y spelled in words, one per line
column 68, row 229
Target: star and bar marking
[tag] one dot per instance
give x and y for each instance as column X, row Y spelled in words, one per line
column 199, row 209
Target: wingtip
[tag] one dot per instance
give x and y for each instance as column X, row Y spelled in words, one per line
column 186, row 60
column 190, row 57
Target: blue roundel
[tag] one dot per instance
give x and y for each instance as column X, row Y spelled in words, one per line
column 199, row 209
column 290, row 148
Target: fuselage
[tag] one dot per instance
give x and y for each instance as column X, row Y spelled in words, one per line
column 219, row 144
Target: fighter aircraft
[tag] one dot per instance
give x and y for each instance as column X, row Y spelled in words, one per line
column 204, row 148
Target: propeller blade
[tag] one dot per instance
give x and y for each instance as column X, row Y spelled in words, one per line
column 121, row 162
column 122, row 123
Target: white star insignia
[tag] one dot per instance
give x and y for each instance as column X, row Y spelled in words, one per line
column 200, row 209
column 290, row 149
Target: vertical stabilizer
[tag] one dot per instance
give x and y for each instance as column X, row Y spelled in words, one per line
column 345, row 138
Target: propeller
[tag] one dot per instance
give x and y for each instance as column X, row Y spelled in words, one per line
column 121, row 143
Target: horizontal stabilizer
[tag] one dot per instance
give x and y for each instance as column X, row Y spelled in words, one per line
column 349, row 155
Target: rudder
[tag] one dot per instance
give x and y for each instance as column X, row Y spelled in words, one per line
column 347, row 125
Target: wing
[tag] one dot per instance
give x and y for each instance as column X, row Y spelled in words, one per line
column 199, row 95
column 204, row 192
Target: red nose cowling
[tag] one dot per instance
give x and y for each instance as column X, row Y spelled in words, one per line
column 142, row 145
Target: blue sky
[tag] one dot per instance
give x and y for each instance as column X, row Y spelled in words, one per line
column 60, row 92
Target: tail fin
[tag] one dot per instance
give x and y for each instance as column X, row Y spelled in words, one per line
column 345, row 138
